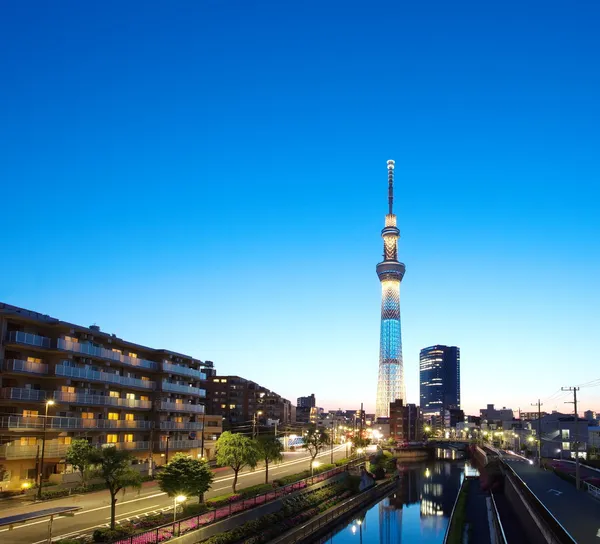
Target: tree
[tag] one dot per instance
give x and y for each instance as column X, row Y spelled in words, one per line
column 269, row 450
column 114, row 467
column 359, row 442
column 79, row 454
column 185, row 476
column 314, row 441
column 236, row 451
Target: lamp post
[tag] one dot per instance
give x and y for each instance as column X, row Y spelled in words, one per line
column 167, row 449
column 41, row 468
column 313, row 465
column 202, row 431
column 254, row 434
column 177, row 500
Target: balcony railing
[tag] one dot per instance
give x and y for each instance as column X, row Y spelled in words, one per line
column 184, row 389
column 183, row 371
column 17, row 393
column 180, row 426
column 101, row 400
column 179, row 444
column 18, row 337
column 19, row 423
column 26, row 367
column 99, row 376
column 181, row 407
column 128, row 445
column 96, row 351
column 17, row 451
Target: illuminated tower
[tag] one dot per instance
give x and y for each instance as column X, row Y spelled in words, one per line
column 390, row 385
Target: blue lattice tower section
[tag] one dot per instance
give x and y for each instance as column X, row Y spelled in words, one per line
column 390, row 384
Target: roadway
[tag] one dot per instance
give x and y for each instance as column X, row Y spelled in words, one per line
column 576, row 511
column 95, row 507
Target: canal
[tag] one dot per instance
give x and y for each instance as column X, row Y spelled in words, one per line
column 417, row 510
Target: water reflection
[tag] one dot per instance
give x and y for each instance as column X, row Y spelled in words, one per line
column 416, row 511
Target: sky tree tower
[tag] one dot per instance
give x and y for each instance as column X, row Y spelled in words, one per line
column 390, row 385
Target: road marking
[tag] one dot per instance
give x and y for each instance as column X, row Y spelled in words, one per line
column 129, row 513
column 556, row 492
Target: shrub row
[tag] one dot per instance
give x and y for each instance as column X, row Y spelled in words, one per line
column 285, row 480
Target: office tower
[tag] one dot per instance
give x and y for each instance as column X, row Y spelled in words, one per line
column 439, row 368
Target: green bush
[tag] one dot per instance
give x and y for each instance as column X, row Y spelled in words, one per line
column 54, row 494
column 194, row 509
column 108, row 535
column 7, row 494
column 68, row 541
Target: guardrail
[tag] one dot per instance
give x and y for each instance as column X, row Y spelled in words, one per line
column 498, row 529
column 553, row 526
column 593, row 490
column 451, row 519
column 180, row 527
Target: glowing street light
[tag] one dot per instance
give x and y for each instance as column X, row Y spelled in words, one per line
column 313, row 466
column 41, row 471
column 177, row 500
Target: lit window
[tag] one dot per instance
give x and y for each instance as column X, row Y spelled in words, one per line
column 117, row 350
column 178, row 401
column 30, row 413
column 145, row 379
column 133, row 355
column 223, row 405
column 33, row 360
column 128, row 438
column 67, row 389
column 111, row 438
column 28, row 441
column 114, row 394
column 231, row 406
column 223, row 381
column 71, row 339
column 128, row 417
column 113, row 415
column 144, row 397
column 130, row 396
column 178, row 419
column 64, row 440
column 216, row 380
column 87, row 415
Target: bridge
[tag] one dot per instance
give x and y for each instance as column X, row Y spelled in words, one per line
column 533, row 505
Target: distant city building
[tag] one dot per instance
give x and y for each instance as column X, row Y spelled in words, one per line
column 590, row 415
column 490, row 414
column 244, row 404
column 95, row 386
column 452, row 417
column 405, row 422
column 560, row 433
column 306, row 402
column 390, row 383
column 530, row 416
column 439, row 372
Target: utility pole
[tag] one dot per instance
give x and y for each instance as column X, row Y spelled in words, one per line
column 576, row 442
column 538, row 404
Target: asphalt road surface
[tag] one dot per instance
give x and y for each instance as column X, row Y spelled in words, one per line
column 576, row 511
column 95, row 510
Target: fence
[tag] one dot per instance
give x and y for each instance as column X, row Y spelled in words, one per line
column 177, row 528
column 593, row 490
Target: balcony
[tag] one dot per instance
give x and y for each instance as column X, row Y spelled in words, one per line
column 180, row 426
column 179, row 444
column 17, row 451
column 129, row 446
column 17, row 393
column 106, row 377
column 20, row 424
column 100, row 400
column 181, row 407
column 171, row 368
column 17, row 337
column 183, row 389
column 19, row 366
column 102, row 353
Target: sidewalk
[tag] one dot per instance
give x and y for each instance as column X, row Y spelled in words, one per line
column 476, row 514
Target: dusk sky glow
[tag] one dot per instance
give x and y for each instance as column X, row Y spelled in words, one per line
column 210, row 177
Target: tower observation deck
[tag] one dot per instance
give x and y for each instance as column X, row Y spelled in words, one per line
column 390, row 384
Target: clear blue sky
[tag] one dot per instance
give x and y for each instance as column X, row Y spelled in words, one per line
column 210, row 177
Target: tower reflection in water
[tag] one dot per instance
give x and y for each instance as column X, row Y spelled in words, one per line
column 416, row 511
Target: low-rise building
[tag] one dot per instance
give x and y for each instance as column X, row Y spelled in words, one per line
column 405, row 422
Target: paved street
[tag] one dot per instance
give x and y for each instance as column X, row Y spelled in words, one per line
column 576, row 510
column 96, row 506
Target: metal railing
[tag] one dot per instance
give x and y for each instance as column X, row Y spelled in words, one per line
column 31, row 451
column 99, row 376
column 177, row 528
column 27, row 367
column 179, row 426
column 18, row 337
column 497, row 522
column 449, row 526
column 103, row 353
column 180, row 444
column 56, row 422
column 101, row 400
column 181, row 407
column 592, row 490
column 182, row 388
column 18, row 393
column 183, row 371
column 128, row 445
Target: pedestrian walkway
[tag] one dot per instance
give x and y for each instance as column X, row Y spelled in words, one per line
column 576, row 511
column 476, row 514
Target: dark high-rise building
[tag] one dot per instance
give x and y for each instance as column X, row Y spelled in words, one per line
column 307, row 402
column 439, row 379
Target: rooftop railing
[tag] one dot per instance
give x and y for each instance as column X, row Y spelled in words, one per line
column 99, row 376
column 18, row 337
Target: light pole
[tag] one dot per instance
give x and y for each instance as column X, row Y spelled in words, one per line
column 177, row 500
column 167, row 449
column 41, row 471
column 254, row 433
column 313, row 465
column 202, row 431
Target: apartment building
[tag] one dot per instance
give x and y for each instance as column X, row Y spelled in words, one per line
column 406, row 422
column 244, row 404
column 96, row 386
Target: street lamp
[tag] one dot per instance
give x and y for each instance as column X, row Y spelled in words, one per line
column 41, row 470
column 313, row 466
column 177, row 500
column 259, row 413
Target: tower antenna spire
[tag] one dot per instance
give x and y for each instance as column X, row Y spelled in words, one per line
column 390, row 165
